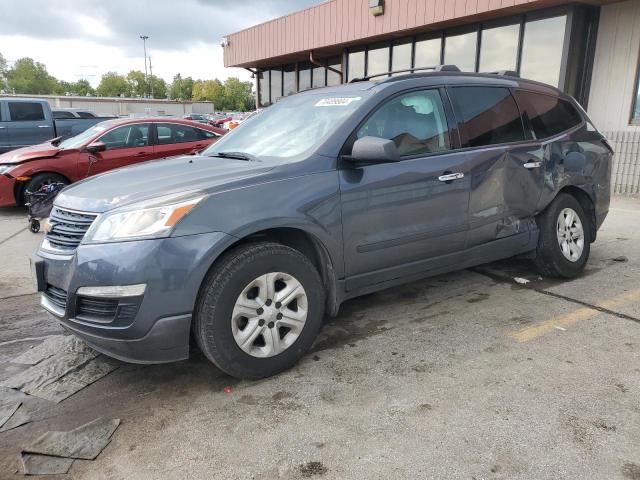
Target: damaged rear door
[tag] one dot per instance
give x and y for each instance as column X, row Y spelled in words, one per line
column 506, row 173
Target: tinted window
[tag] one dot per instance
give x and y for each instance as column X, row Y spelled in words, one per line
column 460, row 50
column 86, row 115
column 542, row 50
column 489, row 115
column 548, row 115
column 25, row 111
column 499, row 48
column 129, row 136
column 169, row 133
column 415, row 121
column 59, row 115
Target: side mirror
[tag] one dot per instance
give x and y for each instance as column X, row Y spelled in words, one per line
column 96, row 147
column 374, row 150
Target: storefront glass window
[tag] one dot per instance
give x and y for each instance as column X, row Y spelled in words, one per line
column 318, row 77
column 264, row 88
column 289, row 80
column 542, row 50
column 401, row 58
column 635, row 116
column 428, row 52
column 356, row 63
column 333, row 78
column 276, row 85
column 304, row 76
column 378, row 59
column 460, row 50
column 499, row 50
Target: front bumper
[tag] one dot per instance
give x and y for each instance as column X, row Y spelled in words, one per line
column 7, row 189
column 151, row 328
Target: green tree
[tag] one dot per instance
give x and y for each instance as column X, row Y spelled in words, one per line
column 3, row 72
column 31, row 77
column 159, row 87
column 238, row 96
column 181, row 88
column 137, row 83
column 210, row 90
column 82, row 88
column 113, row 85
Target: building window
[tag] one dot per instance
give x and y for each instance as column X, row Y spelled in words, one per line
column 356, row 64
column 499, row 48
column 635, row 114
column 378, row 59
column 428, row 52
column 334, row 78
column 319, row 77
column 460, row 50
column 289, row 79
column 264, row 89
column 276, row 85
column 542, row 50
column 304, row 76
column 401, row 56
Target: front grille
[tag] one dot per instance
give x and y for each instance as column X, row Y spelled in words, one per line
column 67, row 228
column 57, row 296
column 106, row 310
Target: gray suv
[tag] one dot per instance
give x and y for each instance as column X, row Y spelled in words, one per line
column 327, row 195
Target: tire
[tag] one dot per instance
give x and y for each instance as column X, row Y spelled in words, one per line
column 550, row 259
column 40, row 179
column 217, row 323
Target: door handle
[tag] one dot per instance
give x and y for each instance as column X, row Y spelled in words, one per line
column 43, row 126
column 450, row 177
column 531, row 165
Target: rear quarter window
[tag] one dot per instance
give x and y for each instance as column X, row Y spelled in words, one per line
column 548, row 115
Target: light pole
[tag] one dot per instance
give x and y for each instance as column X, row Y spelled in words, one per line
column 144, row 42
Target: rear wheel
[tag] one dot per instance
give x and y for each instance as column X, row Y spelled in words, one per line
column 259, row 310
column 40, row 180
column 564, row 242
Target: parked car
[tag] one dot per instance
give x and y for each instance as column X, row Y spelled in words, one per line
column 60, row 113
column 196, row 117
column 327, row 195
column 30, row 122
column 105, row 146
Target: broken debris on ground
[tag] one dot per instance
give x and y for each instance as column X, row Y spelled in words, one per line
column 33, row 464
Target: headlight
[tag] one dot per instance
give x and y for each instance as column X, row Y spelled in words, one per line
column 150, row 219
column 5, row 168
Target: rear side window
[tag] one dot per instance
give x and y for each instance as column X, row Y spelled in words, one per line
column 169, row 133
column 489, row 115
column 25, row 111
column 415, row 121
column 86, row 115
column 548, row 115
column 58, row 115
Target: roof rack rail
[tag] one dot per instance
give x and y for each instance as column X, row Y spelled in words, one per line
column 435, row 68
column 506, row 73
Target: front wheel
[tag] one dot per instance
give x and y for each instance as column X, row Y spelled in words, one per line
column 564, row 242
column 259, row 310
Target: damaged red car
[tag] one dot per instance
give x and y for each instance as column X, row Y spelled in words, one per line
column 103, row 147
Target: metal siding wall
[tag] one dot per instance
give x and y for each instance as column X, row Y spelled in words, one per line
column 625, row 174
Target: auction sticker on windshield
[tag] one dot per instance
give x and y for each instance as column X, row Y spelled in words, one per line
column 336, row 101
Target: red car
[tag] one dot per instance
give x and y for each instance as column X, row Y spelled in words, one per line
column 105, row 146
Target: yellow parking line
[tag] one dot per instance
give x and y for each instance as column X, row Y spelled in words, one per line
column 583, row 313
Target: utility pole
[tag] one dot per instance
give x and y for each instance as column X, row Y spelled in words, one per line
column 151, row 76
column 144, row 42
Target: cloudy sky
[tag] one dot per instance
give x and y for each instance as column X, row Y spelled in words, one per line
column 86, row 38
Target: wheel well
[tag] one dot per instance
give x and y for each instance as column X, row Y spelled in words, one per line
column 18, row 188
column 587, row 204
column 310, row 247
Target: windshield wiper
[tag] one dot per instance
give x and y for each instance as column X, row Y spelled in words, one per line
column 235, row 155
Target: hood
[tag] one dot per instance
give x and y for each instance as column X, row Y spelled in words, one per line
column 43, row 150
column 148, row 180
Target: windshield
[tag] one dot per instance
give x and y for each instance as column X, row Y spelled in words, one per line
column 81, row 138
column 291, row 127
